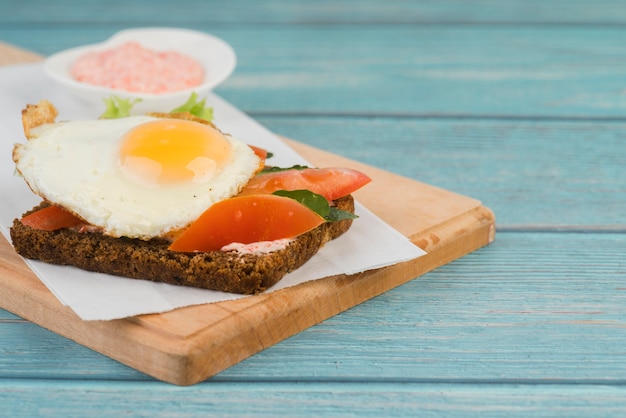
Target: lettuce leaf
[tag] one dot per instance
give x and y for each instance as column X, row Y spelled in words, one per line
column 196, row 107
column 116, row 107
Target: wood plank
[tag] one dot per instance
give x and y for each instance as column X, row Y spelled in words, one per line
column 8, row 317
column 190, row 344
column 327, row 399
column 552, row 322
column 432, row 71
column 429, row 323
column 519, row 151
column 520, row 169
column 528, row 314
column 10, row 54
column 406, row 70
column 272, row 12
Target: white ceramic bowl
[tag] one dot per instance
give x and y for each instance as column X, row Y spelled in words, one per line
column 216, row 56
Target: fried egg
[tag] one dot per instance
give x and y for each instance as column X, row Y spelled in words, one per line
column 137, row 177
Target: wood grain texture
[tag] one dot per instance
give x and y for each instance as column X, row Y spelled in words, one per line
column 190, row 344
column 10, row 54
column 405, row 70
column 269, row 399
column 521, row 169
column 529, row 316
column 302, row 12
column 530, row 326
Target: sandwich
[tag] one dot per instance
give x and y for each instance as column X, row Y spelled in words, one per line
column 169, row 197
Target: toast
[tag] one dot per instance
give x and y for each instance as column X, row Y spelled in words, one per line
column 228, row 271
column 233, row 271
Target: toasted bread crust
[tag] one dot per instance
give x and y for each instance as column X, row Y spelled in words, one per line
column 36, row 115
column 43, row 112
column 183, row 116
column 151, row 260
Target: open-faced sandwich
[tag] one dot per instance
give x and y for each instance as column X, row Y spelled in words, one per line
column 168, row 197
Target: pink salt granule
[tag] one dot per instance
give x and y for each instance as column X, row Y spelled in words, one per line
column 134, row 68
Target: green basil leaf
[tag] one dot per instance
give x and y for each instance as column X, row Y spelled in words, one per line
column 272, row 169
column 335, row 215
column 317, row 203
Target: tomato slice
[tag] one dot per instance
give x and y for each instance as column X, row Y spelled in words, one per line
column 260, row 152
column 330, row 182
column 51, row 218
column 245, row 220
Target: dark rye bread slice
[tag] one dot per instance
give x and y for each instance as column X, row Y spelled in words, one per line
column 151, row 260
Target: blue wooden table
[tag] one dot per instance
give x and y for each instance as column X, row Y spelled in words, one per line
column 521, row 104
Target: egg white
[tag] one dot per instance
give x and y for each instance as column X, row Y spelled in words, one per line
column 74, row 164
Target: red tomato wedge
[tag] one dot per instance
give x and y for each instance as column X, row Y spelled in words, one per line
column 51, row 218
column 245, row 220
column 260, row 152
column 330, row 182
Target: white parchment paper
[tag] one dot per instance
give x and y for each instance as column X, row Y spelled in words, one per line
column 369, row 244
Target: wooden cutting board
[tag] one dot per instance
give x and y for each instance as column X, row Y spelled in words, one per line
column 188, row 345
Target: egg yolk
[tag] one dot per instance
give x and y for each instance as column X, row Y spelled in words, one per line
column 172, row 151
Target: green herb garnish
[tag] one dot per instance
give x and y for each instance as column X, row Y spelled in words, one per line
column 116, row 107
column 336, row 214
column 318, row 204
column 272, row 169
column 196, row 108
